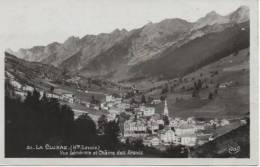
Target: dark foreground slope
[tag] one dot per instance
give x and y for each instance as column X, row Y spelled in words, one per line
column 233, row 144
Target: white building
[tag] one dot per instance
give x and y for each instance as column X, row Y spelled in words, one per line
column 27, row 88
column 115, row 110
column 160, row 122
column 109, row 98
column 187, row 140
column 153, row 126
column 69, row 97
column 21, row 94
column 224, row 122
column 16, row 84
column 151, row 141
column 147, row 111
column 156, row 101
column 185, row 129
column 136, row 128
column 167, row 136
column 52, row 95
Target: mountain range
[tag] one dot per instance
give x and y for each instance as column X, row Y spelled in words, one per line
column 168, row 49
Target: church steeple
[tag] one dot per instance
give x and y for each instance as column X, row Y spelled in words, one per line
column 166, row 111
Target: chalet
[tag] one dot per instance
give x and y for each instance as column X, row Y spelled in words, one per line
column 27, row 88
column 16, row 84
column 224, row 122
column 167, row 136
column 153, row 126
column 243, row 121
column 104, row 106
column 186, row 140
column 156, row 101
column 147, row 111
column 151, row 141
column 21, row 94
column 160, row 122
column 115, row 110
column 69, row 97
column 123, row 106
column 109, row 98
column 185, row 129
column 203, row 138
column 200, row 126
column 9, row 75
column 135, row 128
column 173, row 123
column 52, row 95
column 111, row 116
column 225, row 84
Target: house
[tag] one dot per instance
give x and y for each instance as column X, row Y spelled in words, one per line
column 21, row 94
column 109, row 98
column 52, row 95
column 224, row 122
column 160, row 122
column 104, row 106
column 115, row 110
column 203, row 138
column 111, row 117
column 147, row 111
column 96, row 107
column 69, row 97
column 151, row 141
column 225, row 84
column 9, row 75
column 167, row 136
column 70, row 100
column 185, row 129
column 243, row 121
column 123, row 106
column 135, row 128
column 16, row 84
column 153, row 126
column 200, row 126
column 156, row 101
column 187, row 140
column 87, row 104
column 27, row 88
column 173, row 123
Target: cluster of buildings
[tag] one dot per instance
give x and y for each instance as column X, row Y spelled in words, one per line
column 143, row 123
column 158, row 129
column 155, row 129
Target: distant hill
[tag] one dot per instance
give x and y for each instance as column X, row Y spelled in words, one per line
column 29, row 72
column 154, row 50
column 224, row 146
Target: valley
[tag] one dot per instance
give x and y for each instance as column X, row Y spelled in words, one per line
column 168, row 83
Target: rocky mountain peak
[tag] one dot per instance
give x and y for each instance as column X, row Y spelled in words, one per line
column 240, row 15
column 212, row 14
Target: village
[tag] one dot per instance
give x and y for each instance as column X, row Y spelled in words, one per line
column 141, row 122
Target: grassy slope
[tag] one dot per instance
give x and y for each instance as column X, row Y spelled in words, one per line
column 230, row 102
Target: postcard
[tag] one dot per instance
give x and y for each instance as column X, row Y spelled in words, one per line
column 119, row 82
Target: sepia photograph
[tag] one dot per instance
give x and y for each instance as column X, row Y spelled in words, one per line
column 164, row 79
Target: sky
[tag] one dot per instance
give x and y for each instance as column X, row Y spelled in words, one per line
column 29, row 23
